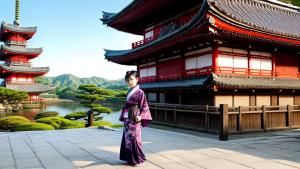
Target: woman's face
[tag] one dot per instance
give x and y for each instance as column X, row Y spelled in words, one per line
column 132, row 81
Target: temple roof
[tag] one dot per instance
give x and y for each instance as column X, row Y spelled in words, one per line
column 259, row 15
column 138, row 15
column 263, row 21
column 227, row 81
column 23, row 69
column 11, row 28
column 30, row 88
column 244, row 82
column 197, row 82
column 19, row 50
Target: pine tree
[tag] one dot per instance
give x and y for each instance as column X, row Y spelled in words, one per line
column 90, row 96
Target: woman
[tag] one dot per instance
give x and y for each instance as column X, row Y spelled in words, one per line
column 135, row 114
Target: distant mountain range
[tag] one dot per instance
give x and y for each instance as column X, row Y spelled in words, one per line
column 67, row 84
column 71, row 80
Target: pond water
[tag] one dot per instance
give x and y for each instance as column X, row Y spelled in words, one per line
column 63, row 109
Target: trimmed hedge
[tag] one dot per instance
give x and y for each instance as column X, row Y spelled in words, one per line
column 33, row 126
column 76, row 115
column 11, row 122
column 117, row 125
column 46, row 114
column 61, row 123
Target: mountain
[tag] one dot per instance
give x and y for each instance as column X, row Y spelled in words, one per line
column 67, row 84
column 71, row 80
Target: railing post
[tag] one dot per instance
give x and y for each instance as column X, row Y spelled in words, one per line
column 288, row 116
column 175, row 120
column 240, row 120
column 206, row 119
column 263, row 118
column 223, row 131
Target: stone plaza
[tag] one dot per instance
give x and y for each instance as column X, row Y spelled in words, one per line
column 99, row 148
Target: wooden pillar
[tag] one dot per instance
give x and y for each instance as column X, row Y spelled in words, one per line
column 240, row 120
column 273, row 64
column 264, row 118
column 288, row 116
column 223, row 130
column 206, row 125
column 179, row 97
column 215, row 56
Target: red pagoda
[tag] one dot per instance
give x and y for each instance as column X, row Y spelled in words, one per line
column 212, row 52
column 17, row 71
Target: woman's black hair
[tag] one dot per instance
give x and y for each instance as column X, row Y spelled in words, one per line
column 131, row 73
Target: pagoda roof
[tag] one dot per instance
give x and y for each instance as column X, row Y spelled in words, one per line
column 7, row 28
column 20, row 50
column 23, row 69
column 228, row 82
column 30, row 88
column 263, row 21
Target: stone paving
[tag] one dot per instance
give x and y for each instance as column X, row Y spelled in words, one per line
column 97, row 148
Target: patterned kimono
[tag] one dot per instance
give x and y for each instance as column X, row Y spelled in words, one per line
column 131, row 146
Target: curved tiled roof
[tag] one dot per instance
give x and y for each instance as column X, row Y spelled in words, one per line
column 30, row 88
column 21, row 49
column 246, row 82
column 196, row 82
column 279, row 21
column 185, row 28
column 26, row 69
column 18, row 29
column 260, row 15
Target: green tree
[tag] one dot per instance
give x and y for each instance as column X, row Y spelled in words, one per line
column 90, row 95
column 11, row 96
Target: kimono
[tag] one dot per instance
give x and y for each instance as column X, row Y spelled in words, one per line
column 131, row 146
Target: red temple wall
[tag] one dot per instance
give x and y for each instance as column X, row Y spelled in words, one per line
column 173, row 66
column 16, row 38
column 287, row 65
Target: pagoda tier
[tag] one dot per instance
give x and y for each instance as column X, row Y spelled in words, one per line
column 14, row 32
column 30, row 88
column 226, row 20
column 10, row 51
column 26, row 70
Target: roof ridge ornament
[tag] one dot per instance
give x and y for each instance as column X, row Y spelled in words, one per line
column 17, row 13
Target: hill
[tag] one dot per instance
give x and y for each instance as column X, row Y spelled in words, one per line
column 67, row 84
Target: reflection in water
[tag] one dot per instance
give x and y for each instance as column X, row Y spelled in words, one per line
column 62, row 109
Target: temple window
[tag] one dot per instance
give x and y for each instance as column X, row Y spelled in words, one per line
column 198, row 62
column 147, row 72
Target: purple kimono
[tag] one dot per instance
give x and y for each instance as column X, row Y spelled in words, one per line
column 131, row 146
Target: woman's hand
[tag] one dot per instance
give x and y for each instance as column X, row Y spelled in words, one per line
column 138, row 118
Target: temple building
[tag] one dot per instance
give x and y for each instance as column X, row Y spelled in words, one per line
column 16, row 69
column 212, row 52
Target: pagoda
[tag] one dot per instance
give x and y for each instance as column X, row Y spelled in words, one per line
column 16, row 69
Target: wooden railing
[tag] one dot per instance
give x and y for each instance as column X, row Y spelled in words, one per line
column 219, row 70
column 226, row 120
column 142, row 42
column 177, row 76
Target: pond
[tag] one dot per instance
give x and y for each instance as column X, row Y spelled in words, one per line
column 63, row 109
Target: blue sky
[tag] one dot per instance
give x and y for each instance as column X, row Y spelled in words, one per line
column 72, row 35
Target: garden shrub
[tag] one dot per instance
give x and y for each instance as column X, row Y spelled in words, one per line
column 46, row 114
column 11, row 122
column 76, row 115
column 60, row 122
column 33, row 126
